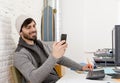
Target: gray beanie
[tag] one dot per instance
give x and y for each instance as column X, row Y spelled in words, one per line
column 19, row 22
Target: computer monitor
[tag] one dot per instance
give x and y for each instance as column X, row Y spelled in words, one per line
column 116, row 44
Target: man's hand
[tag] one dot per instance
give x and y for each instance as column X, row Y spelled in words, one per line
column 87, row 67
column 59, row 49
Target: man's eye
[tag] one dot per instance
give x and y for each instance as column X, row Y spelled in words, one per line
column 28, row 27
column 34, row 26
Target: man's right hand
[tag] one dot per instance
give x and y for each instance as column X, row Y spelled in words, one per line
column 59, row 49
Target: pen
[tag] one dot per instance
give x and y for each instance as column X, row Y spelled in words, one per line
column 90, row 67
column 88, row 61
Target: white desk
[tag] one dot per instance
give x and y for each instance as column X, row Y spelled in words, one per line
column 74, row 77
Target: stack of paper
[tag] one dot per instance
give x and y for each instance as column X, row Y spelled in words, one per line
column 109, row 70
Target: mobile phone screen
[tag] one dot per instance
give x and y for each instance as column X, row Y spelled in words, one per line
column 63, row 37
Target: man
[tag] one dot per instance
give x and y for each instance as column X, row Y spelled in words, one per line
column 35, row 59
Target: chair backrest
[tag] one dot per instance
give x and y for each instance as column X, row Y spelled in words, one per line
column 16, row 77
column 60, row 70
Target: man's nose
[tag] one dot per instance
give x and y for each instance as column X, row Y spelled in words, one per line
column 33, row 29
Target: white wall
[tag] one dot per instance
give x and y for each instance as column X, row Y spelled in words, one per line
column 100, row 16
column 72, row 24
column 88, row 24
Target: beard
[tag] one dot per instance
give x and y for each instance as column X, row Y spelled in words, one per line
column 27, row 36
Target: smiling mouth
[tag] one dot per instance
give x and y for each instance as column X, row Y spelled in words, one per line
column 33, row 33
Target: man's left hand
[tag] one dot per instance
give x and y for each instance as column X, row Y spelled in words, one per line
column 87, row 67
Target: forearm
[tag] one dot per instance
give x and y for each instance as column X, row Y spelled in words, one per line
column 43, row 71
column 69, row 63
column 33, row 74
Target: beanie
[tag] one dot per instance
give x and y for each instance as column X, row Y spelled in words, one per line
column 19, row 22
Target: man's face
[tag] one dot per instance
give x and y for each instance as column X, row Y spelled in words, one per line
column 29, row 32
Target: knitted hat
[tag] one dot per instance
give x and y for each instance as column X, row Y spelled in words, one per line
column 19, row 22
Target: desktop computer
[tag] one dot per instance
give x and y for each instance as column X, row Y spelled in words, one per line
column 116, row 44
column 113, row 60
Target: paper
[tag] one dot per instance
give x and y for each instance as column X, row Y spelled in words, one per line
column 109, row 71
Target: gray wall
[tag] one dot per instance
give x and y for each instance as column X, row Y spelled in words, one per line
column 9, row 10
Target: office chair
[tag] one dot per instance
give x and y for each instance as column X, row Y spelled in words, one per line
column 16, row 77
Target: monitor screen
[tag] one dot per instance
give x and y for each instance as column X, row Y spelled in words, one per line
column 113, row 43
column 116, row 44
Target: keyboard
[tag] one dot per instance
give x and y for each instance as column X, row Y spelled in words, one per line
column 95, row 74
column 116, row 76
column 117, row 70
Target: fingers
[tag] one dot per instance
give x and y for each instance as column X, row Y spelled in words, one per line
column 60, row 44
column 90, row 66
column 58, row 49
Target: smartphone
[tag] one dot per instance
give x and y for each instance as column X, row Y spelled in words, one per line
column 64, row 37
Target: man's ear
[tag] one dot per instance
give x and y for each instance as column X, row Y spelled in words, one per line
column 20, row 33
